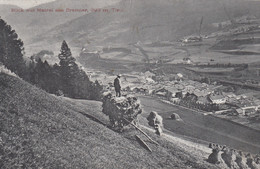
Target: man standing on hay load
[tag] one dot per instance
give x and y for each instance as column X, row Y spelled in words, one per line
column 117, row 85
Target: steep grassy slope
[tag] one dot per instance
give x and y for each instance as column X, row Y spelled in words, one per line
column 39, row 130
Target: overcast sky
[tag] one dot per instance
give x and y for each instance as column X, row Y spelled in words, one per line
column 24, row 3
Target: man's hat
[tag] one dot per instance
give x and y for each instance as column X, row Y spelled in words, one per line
column 119, row 75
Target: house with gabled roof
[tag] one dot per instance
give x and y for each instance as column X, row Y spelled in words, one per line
column 217, row 99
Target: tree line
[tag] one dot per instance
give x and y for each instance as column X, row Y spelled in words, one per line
column 65, row 78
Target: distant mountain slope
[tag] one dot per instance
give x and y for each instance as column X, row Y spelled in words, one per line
column 38, row 130
column 29, row 24
column 146, row 21
column 5, row 10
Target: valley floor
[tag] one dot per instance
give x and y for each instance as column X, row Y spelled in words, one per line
column 204, row 127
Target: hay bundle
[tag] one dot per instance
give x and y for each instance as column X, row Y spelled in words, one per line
column 241, row 160
column 156, row 121
column 215, row 157
column 251, row 163
column 120, row 108
column 176, row 117
column 229, row 157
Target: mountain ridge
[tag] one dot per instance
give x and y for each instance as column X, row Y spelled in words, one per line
column 29, row 24
column 145, row 21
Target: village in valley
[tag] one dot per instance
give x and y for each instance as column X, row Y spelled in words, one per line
column 207, row 98
column 198, row 78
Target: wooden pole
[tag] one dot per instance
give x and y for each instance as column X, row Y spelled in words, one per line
column 143, row 143
column 141, row 131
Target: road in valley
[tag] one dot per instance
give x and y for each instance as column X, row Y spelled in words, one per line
column 205, row 127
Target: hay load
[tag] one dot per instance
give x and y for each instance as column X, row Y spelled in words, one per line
column 121, row 110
